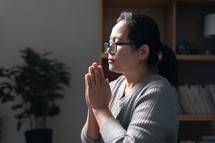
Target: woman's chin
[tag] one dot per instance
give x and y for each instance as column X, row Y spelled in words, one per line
column 113, row 69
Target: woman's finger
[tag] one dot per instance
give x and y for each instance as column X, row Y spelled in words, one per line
column 92, row 75
column 97, row 75
column 88, row 81
column 101, row 72
column 107, row 80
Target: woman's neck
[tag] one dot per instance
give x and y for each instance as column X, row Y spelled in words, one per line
column 134, row 78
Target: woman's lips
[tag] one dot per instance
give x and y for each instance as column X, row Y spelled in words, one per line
column 111, row 60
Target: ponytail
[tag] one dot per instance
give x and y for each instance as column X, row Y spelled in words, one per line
column 168, row 66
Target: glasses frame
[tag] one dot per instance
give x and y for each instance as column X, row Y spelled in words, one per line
column 106, row 44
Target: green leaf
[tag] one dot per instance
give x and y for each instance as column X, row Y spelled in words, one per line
column 17, row 106
column 54, row 110
column 19, row 125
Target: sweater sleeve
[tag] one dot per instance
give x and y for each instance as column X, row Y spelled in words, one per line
column 86, row 139
column 153, row 118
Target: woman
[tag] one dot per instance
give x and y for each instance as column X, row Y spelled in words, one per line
column 140, row 106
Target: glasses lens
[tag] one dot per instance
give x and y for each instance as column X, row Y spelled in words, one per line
column 111, row 47
column 106, row 47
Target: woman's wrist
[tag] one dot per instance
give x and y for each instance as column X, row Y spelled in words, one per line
column 101, row 115
column 91, row 126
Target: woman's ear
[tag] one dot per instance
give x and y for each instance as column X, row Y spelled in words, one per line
column 144, row 51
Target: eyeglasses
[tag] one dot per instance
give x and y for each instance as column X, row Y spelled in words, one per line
column 113, row 46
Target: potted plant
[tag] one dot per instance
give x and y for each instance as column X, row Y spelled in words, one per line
column 36, row 85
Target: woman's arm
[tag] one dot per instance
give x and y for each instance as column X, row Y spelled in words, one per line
column 91, row 126
column 95, row 84
column 152, row 117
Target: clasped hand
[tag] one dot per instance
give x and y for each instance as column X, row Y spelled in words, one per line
column 98, row 92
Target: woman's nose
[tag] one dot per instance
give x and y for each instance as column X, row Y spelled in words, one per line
column 109, row 50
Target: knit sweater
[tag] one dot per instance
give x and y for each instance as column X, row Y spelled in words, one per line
column 148, row 114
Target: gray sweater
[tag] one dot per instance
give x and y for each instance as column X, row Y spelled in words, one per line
column 148, row 114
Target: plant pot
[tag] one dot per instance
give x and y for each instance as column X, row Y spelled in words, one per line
column 39, row 136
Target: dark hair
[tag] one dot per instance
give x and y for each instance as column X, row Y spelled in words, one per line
column 144, row 30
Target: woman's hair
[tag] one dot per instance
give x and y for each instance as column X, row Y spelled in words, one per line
column 143, row 30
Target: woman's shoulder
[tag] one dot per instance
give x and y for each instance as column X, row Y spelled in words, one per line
column 155, row 87
column 156, row 81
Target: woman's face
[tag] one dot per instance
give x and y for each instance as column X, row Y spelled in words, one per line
column 126, row 58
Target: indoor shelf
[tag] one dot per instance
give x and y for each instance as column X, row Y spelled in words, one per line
column 196, row 57
column 196, row 117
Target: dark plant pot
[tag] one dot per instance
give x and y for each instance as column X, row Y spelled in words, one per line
column 39, row 136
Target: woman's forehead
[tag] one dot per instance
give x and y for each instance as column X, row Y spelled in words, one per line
column 120, row 26
column 119, row 31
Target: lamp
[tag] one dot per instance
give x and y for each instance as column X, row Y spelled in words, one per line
column 209, row 28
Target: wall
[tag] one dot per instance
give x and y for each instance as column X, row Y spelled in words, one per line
column 69, row 28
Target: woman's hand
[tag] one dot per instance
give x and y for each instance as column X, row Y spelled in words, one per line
column 98, row 92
